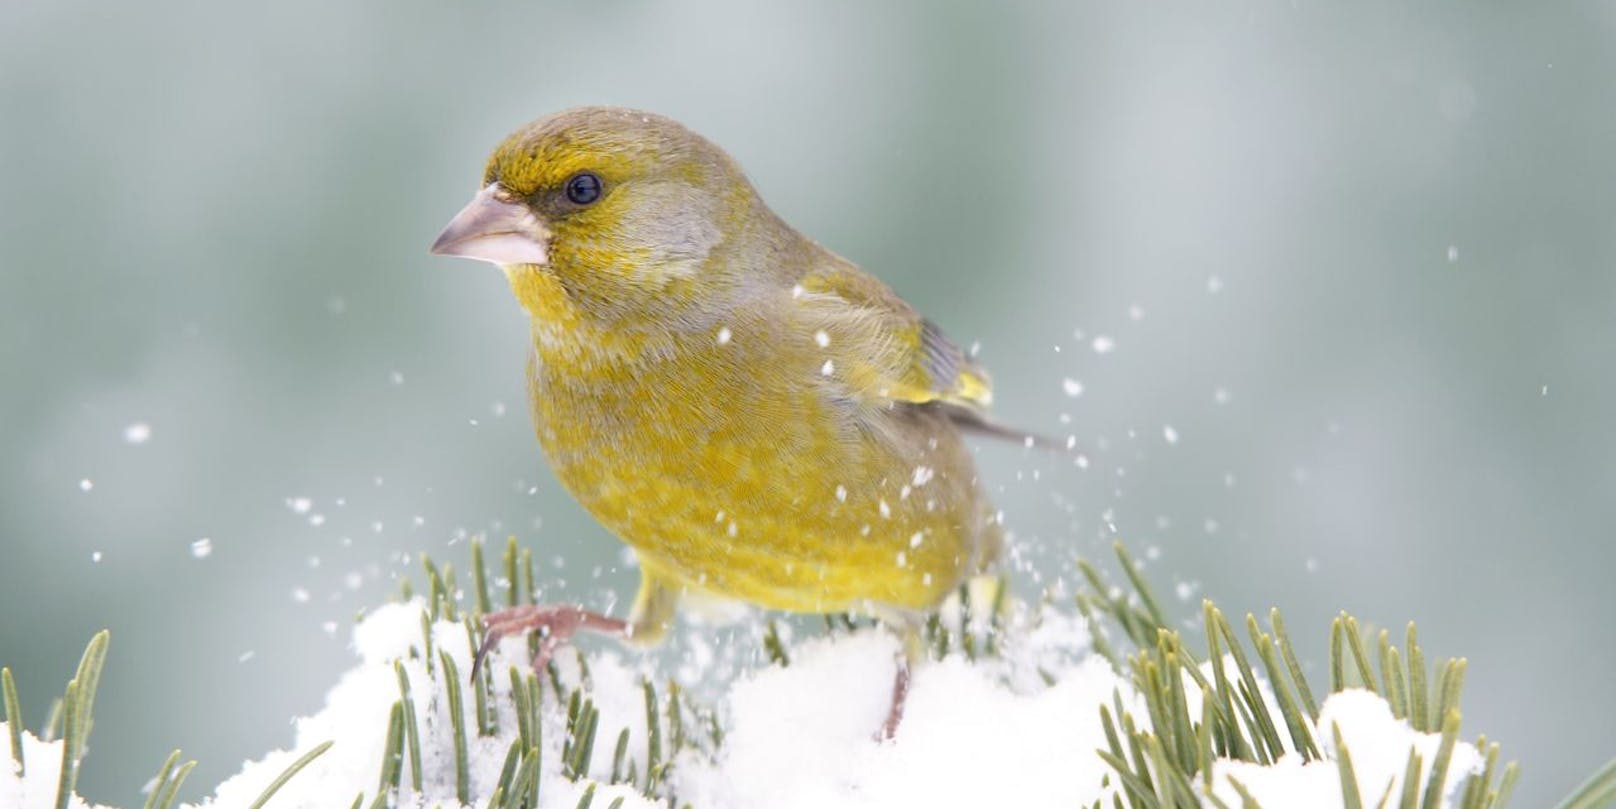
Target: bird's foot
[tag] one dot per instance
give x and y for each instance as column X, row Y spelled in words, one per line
column 555, row 623
column 900, row 694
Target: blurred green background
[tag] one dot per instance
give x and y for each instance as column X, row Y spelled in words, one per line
column 1357, row 257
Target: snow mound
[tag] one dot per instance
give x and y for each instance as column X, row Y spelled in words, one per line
column 1378, row 744
column 36, row 785
column 1017, row 728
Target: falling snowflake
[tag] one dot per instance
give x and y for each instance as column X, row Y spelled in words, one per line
column 138, row 433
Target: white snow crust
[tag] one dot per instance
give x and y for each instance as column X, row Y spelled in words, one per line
column 1020, row 729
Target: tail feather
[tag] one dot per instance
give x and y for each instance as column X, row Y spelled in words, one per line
column 977, row 423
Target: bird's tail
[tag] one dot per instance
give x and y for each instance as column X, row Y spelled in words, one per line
column 977, row 423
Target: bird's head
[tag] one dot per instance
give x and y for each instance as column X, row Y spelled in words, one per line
column 624, row 209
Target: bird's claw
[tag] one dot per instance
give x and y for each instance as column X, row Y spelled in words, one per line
column 555, row 624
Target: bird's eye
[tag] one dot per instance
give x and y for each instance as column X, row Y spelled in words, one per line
column 583, row 188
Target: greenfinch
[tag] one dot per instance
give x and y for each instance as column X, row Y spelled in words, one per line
column 755, row 416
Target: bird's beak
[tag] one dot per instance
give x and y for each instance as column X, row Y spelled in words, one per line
column 496, row 228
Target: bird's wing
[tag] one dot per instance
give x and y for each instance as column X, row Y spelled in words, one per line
column 887, row 352
column 890, row 356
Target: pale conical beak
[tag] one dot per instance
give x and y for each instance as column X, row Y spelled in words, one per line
column 495, row 228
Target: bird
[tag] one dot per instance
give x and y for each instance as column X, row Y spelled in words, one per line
column 756, row 417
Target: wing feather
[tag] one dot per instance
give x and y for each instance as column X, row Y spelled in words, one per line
column 889, row 350
column 890, row 356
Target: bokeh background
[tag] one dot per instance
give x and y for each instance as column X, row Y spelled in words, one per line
column 1333, row 282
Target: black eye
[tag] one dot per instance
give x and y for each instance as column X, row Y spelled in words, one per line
column 583, row 188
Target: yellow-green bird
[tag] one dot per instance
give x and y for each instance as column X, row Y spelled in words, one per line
column 758, row 418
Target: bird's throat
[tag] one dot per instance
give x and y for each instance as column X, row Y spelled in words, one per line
column 569, row 338
column 541, row 294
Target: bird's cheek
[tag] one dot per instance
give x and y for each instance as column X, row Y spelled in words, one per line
column 674, row 225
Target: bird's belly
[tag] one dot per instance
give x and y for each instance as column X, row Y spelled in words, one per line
column 782, row 509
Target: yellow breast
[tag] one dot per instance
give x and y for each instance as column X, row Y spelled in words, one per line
column 723, row 463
